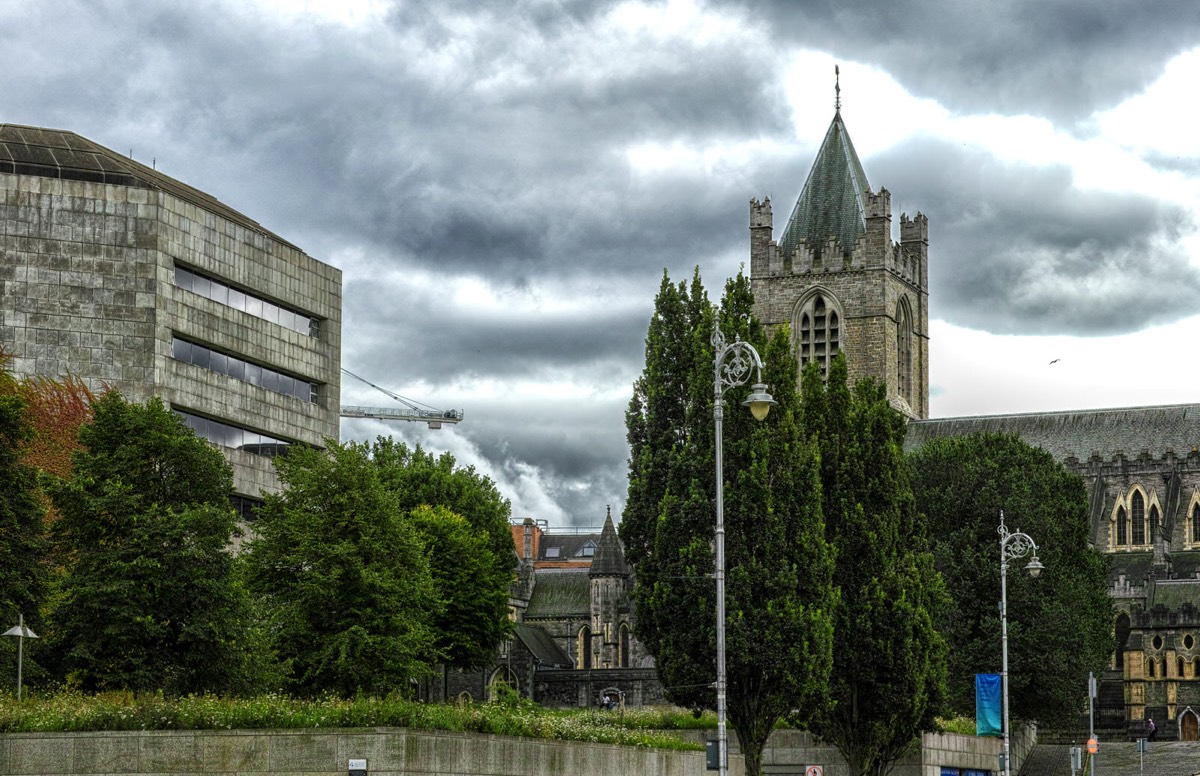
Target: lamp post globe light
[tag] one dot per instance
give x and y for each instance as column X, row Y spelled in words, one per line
column 731, row 368
column 1012, row 546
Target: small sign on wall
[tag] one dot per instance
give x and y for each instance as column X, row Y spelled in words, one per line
column 358, row 767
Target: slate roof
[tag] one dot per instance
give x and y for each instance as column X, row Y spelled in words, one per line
column 1185, row 564
column 560, row 593
column 57, row 153
column 610, row 555
column 1174, row 593
column 542, row 646
column 567, row 544
column 1080, row 433
column 833, row 201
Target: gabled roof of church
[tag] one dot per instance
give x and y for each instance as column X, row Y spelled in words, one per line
column 57, row 153
column 1080, row 433
column 833, row 201
column 610, row 555
column 542, row 646
column 559, row 593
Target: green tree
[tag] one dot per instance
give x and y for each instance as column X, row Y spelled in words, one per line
column 778, row 590
column 149, row 598
column 418, row 478
column 1058, row 624
column 889, row 662
column 23, row 545
column 343, row 576
column 469, row 585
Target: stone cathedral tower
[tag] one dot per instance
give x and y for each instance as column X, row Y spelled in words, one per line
column 841, row 283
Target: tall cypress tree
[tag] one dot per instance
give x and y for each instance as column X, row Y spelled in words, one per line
column 889, row 663
column 778, row 590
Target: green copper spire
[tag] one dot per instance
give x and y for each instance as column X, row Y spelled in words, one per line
column 833, row 202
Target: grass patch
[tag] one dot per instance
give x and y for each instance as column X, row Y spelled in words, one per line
column 121, row 711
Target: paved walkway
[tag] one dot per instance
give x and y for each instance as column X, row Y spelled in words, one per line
column 1165, row 758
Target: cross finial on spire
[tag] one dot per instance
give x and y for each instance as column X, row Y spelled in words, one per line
column 837, row 88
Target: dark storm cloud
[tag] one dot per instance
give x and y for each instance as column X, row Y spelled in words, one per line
column 452, row 341
column 1017, row 249
column 1058, row 58
column 490, row 143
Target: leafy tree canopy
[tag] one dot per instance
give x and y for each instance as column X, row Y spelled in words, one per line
column 415, row 477
column 149, row 600
column 1058, row 624
column 464, row 522
column 471, row 587
column 344, row 577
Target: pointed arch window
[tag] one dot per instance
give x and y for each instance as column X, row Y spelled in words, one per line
column 1150, row 668
column 583, row 649
column 1137, row 518
column 904, row 353
column 818, row 324
column 1196, row 524
column 1153, row 523
column 623, row 657
column 1122, row 527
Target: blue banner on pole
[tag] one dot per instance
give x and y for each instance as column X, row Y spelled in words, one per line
column 987, row 705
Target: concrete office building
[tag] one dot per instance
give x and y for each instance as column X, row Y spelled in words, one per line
column 130, row 279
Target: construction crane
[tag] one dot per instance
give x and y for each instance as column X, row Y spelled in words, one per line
column 412, row 410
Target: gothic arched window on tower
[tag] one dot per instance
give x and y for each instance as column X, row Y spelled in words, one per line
column 1153, row 523
column 1196, row 523
column 904, row 365
column 583, row 649
column 1137, row 517
column 623, row 658
column 819, row 328
column 1122, row 527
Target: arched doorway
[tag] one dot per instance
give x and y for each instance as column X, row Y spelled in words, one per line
column 1189, row 725
column 502, row 677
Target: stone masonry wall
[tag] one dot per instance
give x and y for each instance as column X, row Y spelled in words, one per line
column 87, row 289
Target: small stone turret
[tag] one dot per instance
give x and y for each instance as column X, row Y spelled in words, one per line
column 609, row 577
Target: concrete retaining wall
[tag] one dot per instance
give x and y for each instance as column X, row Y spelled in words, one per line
column 388, row 751
column 792, row 751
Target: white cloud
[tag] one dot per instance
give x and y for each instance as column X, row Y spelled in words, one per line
column 977, row 373
column 1162, row 120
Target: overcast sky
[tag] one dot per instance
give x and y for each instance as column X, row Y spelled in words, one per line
column 503, row 184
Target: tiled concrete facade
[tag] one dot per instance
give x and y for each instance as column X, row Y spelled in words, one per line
column 88, row 281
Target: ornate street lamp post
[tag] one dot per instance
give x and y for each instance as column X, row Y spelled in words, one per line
column 1012, row 546
column 731, row 368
